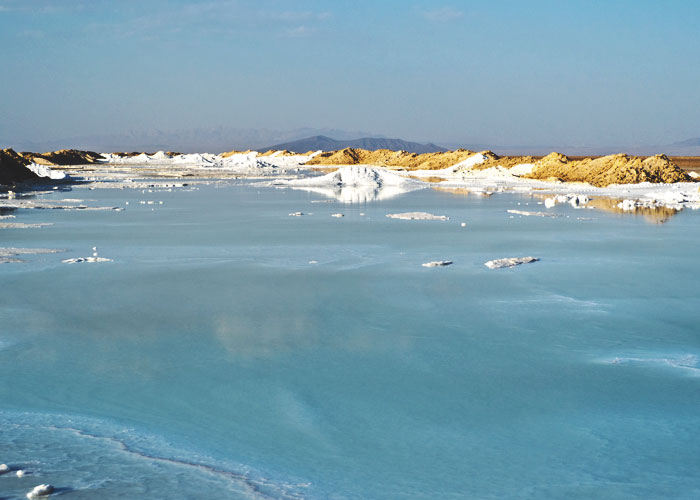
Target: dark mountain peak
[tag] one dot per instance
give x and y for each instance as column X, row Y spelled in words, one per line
column 325, row 143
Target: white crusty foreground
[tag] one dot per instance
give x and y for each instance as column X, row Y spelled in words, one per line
column 509, row 262
column 417, row 216
column 40, row 491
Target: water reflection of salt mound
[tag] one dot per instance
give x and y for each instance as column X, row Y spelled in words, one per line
column 687, row 362
column 356, row 184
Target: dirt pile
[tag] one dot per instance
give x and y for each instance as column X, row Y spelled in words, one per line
column 502, row 161
column 13, row 168
column 389, row 158
column 613, row 169
column 64, row 157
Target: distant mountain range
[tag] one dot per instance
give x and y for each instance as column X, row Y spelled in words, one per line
column 688, row 143
column 325, row 143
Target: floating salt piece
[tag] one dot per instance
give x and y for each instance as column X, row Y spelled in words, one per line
column 313, row 262
column 509, row 262
column 80, row 260
column 550, row 202
column 4, row 468
column 20, row 473
column 337, row 215
column 296, row 214
column 362, row 214
column 417, row 216
column 127, row 203
column 463, row 224
column 40, row 491
column 535, row 214
column 437, row 263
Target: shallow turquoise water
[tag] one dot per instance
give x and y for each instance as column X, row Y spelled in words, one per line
column 211, row 359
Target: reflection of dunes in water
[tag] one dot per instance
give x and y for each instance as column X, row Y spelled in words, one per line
column 653, row 215
column 463, row 191
column 687, row 362
column 357, row 194
column 428, row 179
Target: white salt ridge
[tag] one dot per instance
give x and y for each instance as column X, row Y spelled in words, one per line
column 417, row 216
column 356, row 175
column 40, row 491
column 509, row 262
column 240, row 163
column 45, row 172
column 437, row 263
column 355, row 184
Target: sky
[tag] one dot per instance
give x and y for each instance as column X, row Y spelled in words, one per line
column 592, row 73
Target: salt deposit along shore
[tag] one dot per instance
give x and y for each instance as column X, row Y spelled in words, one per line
column 360, row 176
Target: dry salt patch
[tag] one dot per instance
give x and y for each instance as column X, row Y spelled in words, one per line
column 438, row 263
column 417, row 216
column 8, row 255
column 509, row 262
column 40, row 491
column 531, row 214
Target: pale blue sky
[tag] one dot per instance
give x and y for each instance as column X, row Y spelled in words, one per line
column 490, row 72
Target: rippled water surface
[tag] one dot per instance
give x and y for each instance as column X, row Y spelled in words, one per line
column 211, row 359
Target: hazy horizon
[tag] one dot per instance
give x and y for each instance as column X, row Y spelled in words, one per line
column 505, row 74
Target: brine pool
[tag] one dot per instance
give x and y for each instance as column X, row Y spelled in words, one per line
column 232, row 351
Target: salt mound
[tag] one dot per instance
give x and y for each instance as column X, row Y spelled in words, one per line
column 612, row 169
column 45, row 172
column 509, row 262
column 160, row 155
column 40, row 491
column 356, row 175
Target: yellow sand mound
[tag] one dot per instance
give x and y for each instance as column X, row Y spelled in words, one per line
column 64, row 157
column 388, row 158
column 613, row 169
column 235, row 152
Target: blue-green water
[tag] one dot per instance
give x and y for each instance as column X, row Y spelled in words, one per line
column 212, row 360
